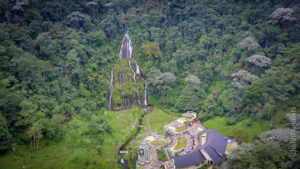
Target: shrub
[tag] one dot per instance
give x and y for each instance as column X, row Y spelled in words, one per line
column 99, row 150
column 249, row 123
column 231, row 121
column 108, row 129
column 241, row 136
column 205, row 116
column 205, row 166
column 87, row 163
column 162, row 155
column 47, row 143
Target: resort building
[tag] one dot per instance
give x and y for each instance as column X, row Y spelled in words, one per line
column 210, row 151
column 187, row 144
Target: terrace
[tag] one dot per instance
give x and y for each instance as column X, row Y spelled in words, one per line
column 177, row 126
column 192, row 116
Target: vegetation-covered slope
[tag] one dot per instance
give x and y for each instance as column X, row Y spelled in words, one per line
column 234, row 58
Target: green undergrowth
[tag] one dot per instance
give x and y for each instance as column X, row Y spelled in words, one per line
column 279, row 120
column 122, row 128
column 127, row 88
column 78, row 151
column 243, row 130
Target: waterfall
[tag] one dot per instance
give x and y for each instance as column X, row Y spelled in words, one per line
column 138, row 97
column 126, row 49
column 145, row 94
column 111, row 88
column 133, row 72
column 126, row 52
column 137, row 69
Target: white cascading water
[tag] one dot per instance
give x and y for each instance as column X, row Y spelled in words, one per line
column 145, row 94
column 111, row 88
column 137, row 68
column 130, row 47
column 126, row 49
column 134, row 77
column 126, row 52
column 138, row 97
column 133, row 72
column 121, row 51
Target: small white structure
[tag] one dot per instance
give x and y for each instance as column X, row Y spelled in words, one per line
column 192, row 116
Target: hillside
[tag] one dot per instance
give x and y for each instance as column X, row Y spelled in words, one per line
column 234, row 62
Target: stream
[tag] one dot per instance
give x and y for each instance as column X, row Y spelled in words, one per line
column 122, row 150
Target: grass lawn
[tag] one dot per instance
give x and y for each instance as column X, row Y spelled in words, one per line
column 121, row 130
column 239, row 130
column 79, row 152
column 181, row 143
column 158, row 118
column 69, row 153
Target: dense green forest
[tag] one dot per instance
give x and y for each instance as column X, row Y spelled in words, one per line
column 234, row 58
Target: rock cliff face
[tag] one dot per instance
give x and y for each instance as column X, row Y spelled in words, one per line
column 127, row 84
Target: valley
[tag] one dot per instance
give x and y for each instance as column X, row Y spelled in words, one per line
column 147, row 84
column 80, row 152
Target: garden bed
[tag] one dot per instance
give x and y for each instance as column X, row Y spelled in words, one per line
column 182, row 142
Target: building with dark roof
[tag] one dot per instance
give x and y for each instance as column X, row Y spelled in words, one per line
column 211, row 148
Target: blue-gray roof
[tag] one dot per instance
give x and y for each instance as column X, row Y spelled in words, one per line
column 190, row 159
column 215, row 147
